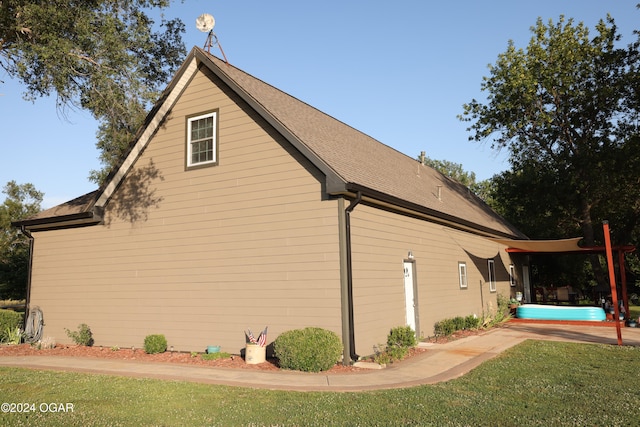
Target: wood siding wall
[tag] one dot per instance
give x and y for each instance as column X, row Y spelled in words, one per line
column 381, row 241
column 199, row 255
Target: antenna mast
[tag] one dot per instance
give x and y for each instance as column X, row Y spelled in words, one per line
column 205, row 23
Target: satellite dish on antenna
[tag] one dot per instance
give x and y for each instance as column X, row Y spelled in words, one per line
column 205, row 22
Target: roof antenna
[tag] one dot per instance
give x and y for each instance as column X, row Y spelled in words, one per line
column 205, row 23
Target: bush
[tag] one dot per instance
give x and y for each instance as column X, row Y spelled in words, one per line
column 501, row 314
column 9, row 321
column 399, row 341
column 382, row 358
column 472, row 322
column 458, row 323
column 503, row 306
column 445, row 327
column 82, row 336
column 401, row 336
column 396, row 352
column 309, row 349
column 155, row 344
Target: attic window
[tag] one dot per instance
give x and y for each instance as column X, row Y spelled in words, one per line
column 202, row 144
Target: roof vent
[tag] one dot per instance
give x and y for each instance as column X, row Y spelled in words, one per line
column 423, row 158
column 439, row 192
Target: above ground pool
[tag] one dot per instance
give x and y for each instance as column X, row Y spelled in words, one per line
column 560, row 312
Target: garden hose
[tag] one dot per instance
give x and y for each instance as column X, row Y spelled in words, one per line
column 33, row 327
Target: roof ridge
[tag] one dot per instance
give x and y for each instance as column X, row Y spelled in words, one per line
column 350, row 159
column 217, row 60
column 359, row 158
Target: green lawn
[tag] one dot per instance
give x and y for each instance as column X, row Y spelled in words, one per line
column 535, row 383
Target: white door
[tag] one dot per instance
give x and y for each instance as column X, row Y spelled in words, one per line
column 409, row 294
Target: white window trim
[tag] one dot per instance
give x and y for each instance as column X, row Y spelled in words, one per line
column 492, row 275
column 190, row 120
column 462, row 275
column 512, row 275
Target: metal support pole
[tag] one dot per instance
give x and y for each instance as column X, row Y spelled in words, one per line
column 623, row 281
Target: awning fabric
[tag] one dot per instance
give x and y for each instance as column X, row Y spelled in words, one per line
column 556, row 246
column 562, row 245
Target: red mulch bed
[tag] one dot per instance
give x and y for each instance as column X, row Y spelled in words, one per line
column 234, row 362
column 455, row 336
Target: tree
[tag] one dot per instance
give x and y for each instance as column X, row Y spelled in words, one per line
column 530, row 200
column 22, row 201
column 566, row 109
column 102, row 56
column 456, row 171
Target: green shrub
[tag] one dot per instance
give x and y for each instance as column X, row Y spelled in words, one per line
column 458, row 323
column 382, row 358
column 155, row 344
column 501, row 314
column 503, row 306
column 399, row 341
column 396, row 352
column 9, row 321
column 445, row 327
column 82, row 336
column 472, row 322
column 401, row 336
column 310, row 349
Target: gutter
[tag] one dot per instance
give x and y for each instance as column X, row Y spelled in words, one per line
column 90, row 217
column 346, row 279
column 385, row 201
column 24, row 231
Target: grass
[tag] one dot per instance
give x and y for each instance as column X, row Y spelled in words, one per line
column 215, row 356
column 536, row 383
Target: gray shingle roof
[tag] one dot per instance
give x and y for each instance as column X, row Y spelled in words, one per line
column 361, row 160
column 353, row 159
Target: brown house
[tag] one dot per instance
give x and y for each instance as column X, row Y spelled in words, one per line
column 240, row 206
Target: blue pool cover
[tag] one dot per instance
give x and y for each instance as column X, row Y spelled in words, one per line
column 560, row 312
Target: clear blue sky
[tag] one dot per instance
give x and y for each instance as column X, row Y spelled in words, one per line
column 397, row 71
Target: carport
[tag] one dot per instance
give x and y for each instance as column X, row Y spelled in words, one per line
column 570, row 246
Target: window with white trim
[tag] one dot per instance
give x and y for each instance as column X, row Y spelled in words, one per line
column 462, row 274
column 202, row 144
column 512, row 275
column 492, row 275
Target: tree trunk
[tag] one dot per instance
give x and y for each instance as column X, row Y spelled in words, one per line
column 589, row 240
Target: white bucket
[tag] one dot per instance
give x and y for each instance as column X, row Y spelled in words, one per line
column 255, row 354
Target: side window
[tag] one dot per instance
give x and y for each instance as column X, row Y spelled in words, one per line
column 492, row 275
column 462, row 274
column 202, row 140
column 512, row 275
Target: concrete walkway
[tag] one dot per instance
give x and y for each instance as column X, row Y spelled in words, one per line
column 441, row 362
